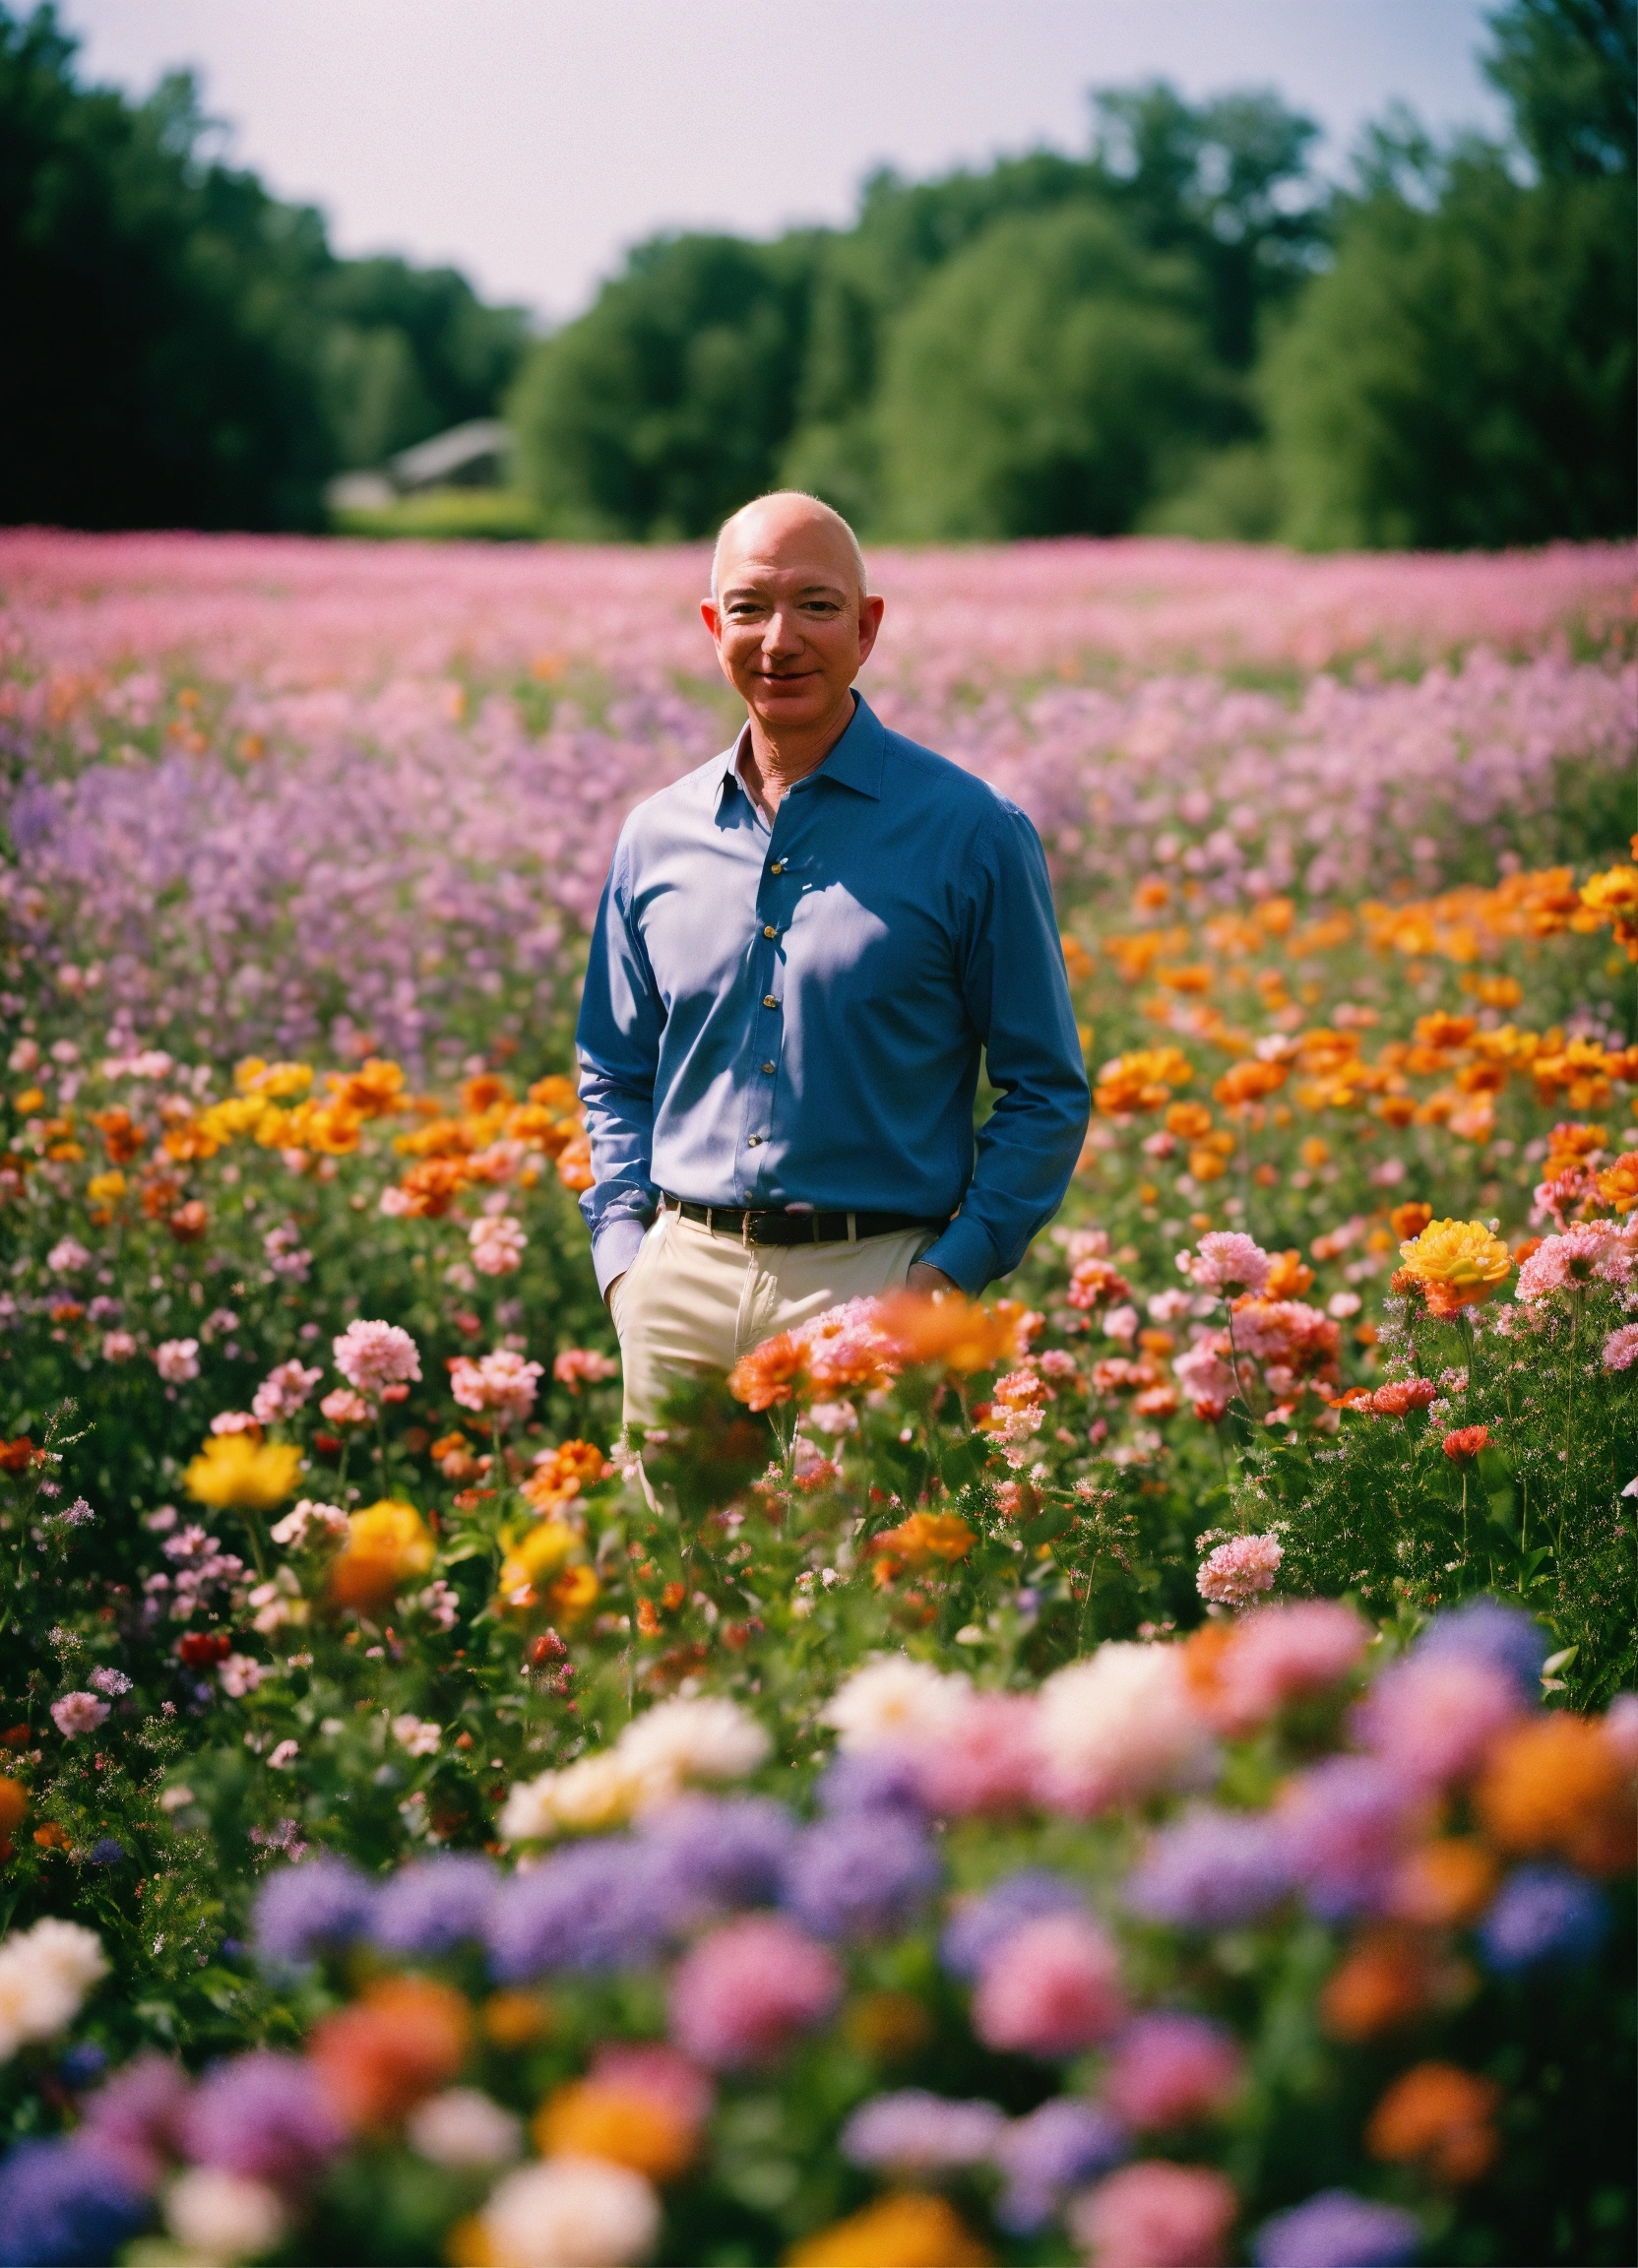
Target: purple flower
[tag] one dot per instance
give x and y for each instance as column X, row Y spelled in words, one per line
column 979, row 1925
column 432, row 1906
column 64, row 2203
column 1343, row 1825
column 612, row 1901
column 725, row 1851
column 1211, row 1870
column 870, row 1780
column 1337, row 2230
column 263, row 2116
column 137, row 2114
column 1044, row 2156
column 108, row 1852
column 1543, row 1914
column 916, row 2133
column 858, row 1874
column 1483, row 1630
column 302, row 1908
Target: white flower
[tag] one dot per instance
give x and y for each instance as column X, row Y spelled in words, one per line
column 417, row 1735
column 463, row 2126
column 177, row 1361
column 893, row 1703
column 77, row 1712
column 571, row 2212
column 240, row 1675
column 310, row 1523
column 595, row 1792
column 703, row 1739
column 1120, row 1726
column 834, row 1418
column 45, row 1974
column 176, row 1798
column 222, row 2217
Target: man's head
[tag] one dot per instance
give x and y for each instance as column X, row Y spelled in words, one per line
column 790, row 613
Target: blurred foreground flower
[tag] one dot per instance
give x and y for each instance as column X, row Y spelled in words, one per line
column 387, row 1544
column 233, row 1473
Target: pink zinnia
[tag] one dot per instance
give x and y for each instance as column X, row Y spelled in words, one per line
column 77, row 1712
column 1620, row 1348
column 371, row 1356
column 582, row 1365
column 1168, row 2071
column 1281, row 1653
column 177, row 1361
column 119, row 1347
column 1433, row 1717
column 1239, row 1570
column 1225, row 1261
column 1203, row 1375
column 345, row 1408
column 234, row 1422
column 503, row 1382
column 985, row 1758
column 283, row 1392
column 1156, row 2215
column 1051, row 1988
column 1588, row 1250
column 742, row 1994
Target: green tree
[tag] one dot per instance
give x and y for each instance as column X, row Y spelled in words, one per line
column 409, row 352
column 1040, row 380
column 666, row 404
column 1570, row 70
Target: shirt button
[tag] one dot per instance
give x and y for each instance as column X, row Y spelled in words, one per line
column 768, row 929
column 767, row 1066
column 752, row 1141
column 769, row 1001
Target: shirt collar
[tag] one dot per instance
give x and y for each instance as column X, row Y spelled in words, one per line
column 854, row 762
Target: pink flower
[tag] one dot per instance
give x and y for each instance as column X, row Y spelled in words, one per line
column 1237, row 1571
column 119, row 1347
column 1433, row 1717
column 742, row 1994
column 1203, row 1375
column 1168, row 2071
column 1051, row 1988
column 503, row 1382
column 77, row 1712
column 283, row 1392
column 985, row 1758
column 1156, row 2215
column 576, row 1367
column 1279, row 1654
column 67, row 1257
column 177, row 1361
column 1590, row 1249
column 345, row 1408
column 497, row 1243
column 1225, row 1261
column 1620, row 1348
column 233, row 1421
column 371, row 1356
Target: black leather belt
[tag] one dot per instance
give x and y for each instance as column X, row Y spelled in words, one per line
column 752, row 1228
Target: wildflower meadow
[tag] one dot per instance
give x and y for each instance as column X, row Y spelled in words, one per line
column 1140, row 1770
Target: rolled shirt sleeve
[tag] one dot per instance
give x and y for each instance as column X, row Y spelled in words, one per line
column 621, row 1018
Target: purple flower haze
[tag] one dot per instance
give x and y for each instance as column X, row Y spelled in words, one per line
column 871, row 1779
column 1337, row 2230
column 724, row 1851
column 136, row 2115
column 1044, row 2157
column 263, row 2116
column 1211, row 1870
column 612, row 1901
column 913, row 2132
column 977, row 1926
column 1543, row 1914
column 65, row 2203
column 433, row 1905
column 1483, row 1630
column 858, row 1874
column 301, row 1910
column 1343, row 1826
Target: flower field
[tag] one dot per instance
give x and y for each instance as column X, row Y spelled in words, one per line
column 1139, row 1770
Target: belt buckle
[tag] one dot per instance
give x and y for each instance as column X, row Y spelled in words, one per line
column 748, row 1226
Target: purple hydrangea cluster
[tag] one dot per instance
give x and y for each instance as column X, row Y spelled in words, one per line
column 66, row 2202
column 979, row 1926
column 914, row 2133
column 725, row 1851
column 612, row 1901
column 1483, row 1630
column 1044, row 2157
column 860, row 1875
column 871, row 1779
column 434, row 1905
column 1343, row 1826
column 265, row 2116
column 1337, row 2230
column 302, row 1909
column 1543, row 1914
column 1212, row 1870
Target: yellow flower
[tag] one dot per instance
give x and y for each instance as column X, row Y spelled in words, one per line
column 387, row 1542
column 1460, row 1261
column 541, row 1552
column 272, row 1080
column 106, row 1188
column 912, row 2229
column 598, row 2119
column 1612, row 893
column 233, row 1472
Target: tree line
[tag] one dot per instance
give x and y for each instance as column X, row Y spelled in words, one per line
column 1185, row 330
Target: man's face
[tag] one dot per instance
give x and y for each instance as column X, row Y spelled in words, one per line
column 790, row 626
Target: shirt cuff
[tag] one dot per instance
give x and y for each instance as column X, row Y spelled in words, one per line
column 965, row 1255
column 615, row 1246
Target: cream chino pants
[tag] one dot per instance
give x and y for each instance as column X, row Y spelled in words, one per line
column 694, row 1300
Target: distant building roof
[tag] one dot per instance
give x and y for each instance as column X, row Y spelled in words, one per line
column 472, row 456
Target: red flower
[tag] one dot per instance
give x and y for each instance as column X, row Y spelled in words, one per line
column 1466, row 1441
column 1403, row 1396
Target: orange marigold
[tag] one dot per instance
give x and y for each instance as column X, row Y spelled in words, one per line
column 1441, row 2114
column 959, row 1333
column 1384, row 1980
column 926, row 1537
column 1618, row 1184
column 596, row 2118
column 911, row 2230
column 765, row 1375
column 404, row 2039
column 1559, row 1784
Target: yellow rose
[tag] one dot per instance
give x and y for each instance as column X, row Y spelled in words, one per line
column 234, row 1472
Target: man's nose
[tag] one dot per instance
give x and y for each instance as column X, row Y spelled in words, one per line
column 782, row 634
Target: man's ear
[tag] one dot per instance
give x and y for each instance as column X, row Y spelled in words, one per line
column 870, row 613
column 710, row 618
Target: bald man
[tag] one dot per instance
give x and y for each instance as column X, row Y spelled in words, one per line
column 803, row 949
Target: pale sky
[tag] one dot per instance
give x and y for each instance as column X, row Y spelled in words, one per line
column 529, row 141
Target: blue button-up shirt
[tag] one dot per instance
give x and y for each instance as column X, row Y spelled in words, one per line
column 792, row 1015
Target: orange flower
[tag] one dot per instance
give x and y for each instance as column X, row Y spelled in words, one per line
column 16, row 1456
column 13, row 1802
column 1249, row 1082
column 404, row 2039
column 1076, row 959
column 122, row 1138
column 954, row 1331
column 574, row 1164
column 432, row 1187
column 1141, row 1081
column 371, row 1090
column 562, row 1474
column 1559, row 1784
column 387, row 1543
column 573, row 1594
column 1457, row 1263
column 1441, row 2114
column 926, row 1537
column 1382, row 1980
column 1287, row 1277
column 910, row 2230
column 1409, row 1221
column 595, row 2118
column 1618, row 1184
column 1445, row 1883
column 1466, row 1442
column 764, row 1375
column 513, row 2019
